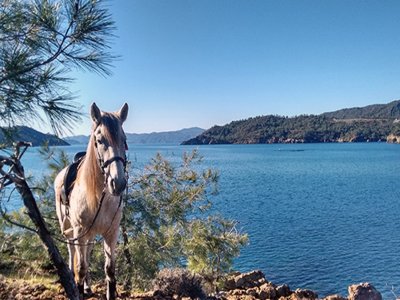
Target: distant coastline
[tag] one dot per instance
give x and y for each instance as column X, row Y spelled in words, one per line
column 27, row 134
column 373, row 123
column 37, row 138
column 165, row 137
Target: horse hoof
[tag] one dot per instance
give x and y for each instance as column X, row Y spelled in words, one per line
column 111, row 290
column 81, row 291
column 88, row 291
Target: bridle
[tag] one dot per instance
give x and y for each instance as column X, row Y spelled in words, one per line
column 104, row 164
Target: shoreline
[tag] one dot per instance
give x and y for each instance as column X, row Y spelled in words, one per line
column 237, row 286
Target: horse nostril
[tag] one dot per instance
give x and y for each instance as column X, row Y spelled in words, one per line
column 113, row 184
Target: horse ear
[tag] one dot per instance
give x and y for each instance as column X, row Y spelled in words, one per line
column 95, row 113
column 123, row 112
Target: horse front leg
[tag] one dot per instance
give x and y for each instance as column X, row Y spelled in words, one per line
column 87, row 289
column 80, row 264
column 109, row 267
column 71, row 256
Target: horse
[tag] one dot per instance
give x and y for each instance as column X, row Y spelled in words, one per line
column 94, row 204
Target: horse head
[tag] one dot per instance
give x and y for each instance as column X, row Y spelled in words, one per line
column 110, row 146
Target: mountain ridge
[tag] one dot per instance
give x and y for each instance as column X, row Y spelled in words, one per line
column 28, row 134
column 163, row 137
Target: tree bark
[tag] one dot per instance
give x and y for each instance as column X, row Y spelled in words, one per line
column 63, row 270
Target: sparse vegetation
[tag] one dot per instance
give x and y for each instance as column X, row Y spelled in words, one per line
column 178, row 281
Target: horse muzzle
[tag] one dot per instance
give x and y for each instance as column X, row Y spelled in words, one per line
column 116, row 186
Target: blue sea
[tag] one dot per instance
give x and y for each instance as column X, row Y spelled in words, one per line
column 318, row 216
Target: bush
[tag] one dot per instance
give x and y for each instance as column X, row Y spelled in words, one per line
column 167, row 223
column 180, row 282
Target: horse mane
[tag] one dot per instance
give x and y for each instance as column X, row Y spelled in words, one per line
column 90, row 173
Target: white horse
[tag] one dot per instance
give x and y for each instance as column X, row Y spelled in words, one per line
column 94, row 204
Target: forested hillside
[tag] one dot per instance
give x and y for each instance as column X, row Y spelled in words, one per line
column 375, row 111
column 368, row 124
column 27, row 134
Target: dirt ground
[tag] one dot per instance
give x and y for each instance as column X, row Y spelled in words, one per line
column 23, row 290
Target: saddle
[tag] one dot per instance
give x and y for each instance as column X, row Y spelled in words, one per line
column 70, row 176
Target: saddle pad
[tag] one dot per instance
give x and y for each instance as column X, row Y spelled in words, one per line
column 70, row 175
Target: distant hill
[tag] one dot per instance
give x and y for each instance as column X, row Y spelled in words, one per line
column 167, row 137
column 77, row 139
column 366, row 124
column 375, row 111
column 27, row 134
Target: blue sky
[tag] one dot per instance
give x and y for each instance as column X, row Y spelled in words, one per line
column 199, row 63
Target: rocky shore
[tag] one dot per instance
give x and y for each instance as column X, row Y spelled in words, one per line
column 253, row 285
column 238, row 286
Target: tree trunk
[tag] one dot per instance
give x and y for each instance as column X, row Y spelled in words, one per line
column 63, row 270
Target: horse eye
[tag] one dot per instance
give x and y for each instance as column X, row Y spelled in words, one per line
column 99, row 142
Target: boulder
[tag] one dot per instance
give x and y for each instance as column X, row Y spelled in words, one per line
column 283, row 291
column 301, row 294
column 253, row 292
column 363, row 291
column 267, row 291
column 249, row 280
column 240, row 297
column 230, row 283
column 245, row 280
column 392, row 138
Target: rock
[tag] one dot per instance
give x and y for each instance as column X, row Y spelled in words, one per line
column 253, row 291
column 392, row 138
column 261, row 281
column 301, row 294
column 229, row 283
column 248, row 280
column 237, row 295
column 334, row 297
column 245, row 280
column 238, row 292
column 283, row 291
column 267, row 291
column 363, row 291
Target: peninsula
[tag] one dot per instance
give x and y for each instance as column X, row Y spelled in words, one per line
column 373, row 123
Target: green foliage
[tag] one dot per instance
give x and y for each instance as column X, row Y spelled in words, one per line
column 166, row 206
column 41, row 42
column 375, row 111
column 20, row 250
column 212, row 245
